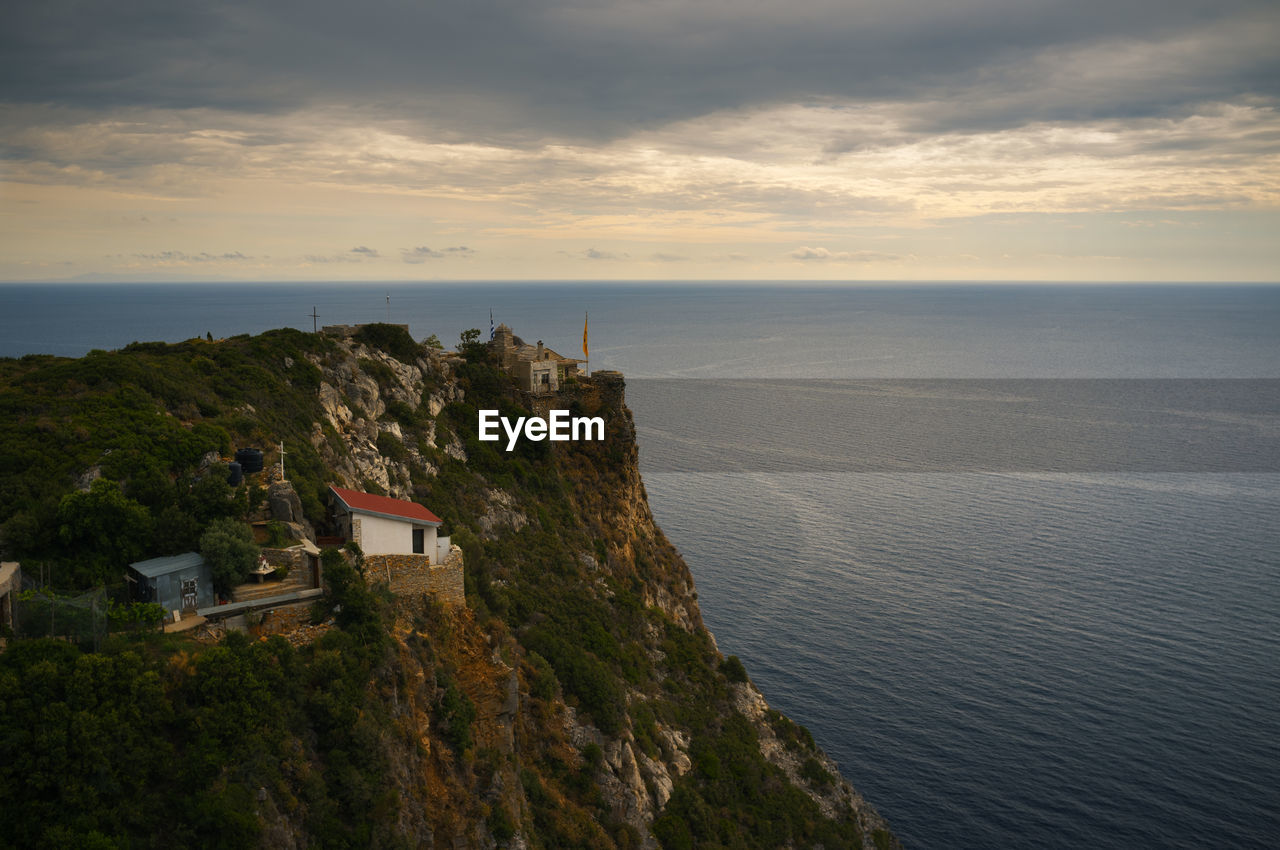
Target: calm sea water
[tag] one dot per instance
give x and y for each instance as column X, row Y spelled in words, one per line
column 1013, row 658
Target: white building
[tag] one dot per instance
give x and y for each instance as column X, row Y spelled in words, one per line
column 385, row 526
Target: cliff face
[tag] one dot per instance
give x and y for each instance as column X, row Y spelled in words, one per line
column 577, row 700
column 608, row 544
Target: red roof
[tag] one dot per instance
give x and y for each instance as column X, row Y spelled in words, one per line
column 384, row 506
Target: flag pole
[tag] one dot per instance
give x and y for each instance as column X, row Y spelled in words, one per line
column 585, row 352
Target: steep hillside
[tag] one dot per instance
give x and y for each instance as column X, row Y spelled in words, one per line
column 576, row 701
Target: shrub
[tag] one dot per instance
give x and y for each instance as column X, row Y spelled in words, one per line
column 229, row 550
column 816, row 775
column 455, row 713
column 733, row 669
column 392, row 339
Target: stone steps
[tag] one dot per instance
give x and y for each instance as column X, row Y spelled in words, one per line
column 252, row 590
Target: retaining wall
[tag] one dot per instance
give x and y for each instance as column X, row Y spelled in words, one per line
column 416, row 574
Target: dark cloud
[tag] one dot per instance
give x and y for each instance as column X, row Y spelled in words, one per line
column 365, row 251
column 540, row 69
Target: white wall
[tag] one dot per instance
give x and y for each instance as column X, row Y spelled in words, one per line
column 381, row 536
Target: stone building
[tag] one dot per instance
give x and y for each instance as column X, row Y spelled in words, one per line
column 537, row 369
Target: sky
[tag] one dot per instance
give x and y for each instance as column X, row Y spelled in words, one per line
column 1125, row 140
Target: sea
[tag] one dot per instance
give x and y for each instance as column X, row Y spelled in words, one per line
column 1010, row 551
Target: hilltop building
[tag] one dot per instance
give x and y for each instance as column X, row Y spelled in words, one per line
column 537, row 369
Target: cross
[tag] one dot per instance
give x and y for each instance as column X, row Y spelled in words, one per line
column 314, row 317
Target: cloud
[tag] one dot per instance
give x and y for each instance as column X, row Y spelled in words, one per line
column 706, row 130
column 981, row 63
column 824, row 255
column 422, row 253
column 182, row 257
column 596, row 254
column 330, row 258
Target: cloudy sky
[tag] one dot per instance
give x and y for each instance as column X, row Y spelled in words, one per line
column 640, row 139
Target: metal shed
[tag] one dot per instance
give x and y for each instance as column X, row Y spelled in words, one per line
column 178, row 582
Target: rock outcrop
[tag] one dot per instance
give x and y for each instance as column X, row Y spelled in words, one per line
column 365, row 444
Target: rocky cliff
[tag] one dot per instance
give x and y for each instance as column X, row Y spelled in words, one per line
column 607, row 545
column 576, row 700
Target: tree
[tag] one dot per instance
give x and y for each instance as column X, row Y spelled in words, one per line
column 470, row 337
column 211, row 497
column 433, row 341
column 103, row 530
column 229, row 550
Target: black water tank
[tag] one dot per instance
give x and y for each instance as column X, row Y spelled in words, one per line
column 235, row 474
column 250, row 460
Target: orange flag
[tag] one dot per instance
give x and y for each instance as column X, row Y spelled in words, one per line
column 584, row 336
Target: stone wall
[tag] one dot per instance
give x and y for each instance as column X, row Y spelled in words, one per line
column 603, row 390
column 416, row 574
column 294, row 558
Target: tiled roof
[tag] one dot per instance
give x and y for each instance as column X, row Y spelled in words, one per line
column 368, row 503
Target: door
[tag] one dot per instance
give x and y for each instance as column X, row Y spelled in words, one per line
column 419, row 541
column 189, row 593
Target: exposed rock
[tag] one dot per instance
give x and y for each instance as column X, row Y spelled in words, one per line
column 455, row 450
column 832, row 799
column 286, row 507
column 86, row 479
column 335, row 410
column 677, row 744
column 634, row 786
column 361, row 389
column 500, row 515
column 658, row 775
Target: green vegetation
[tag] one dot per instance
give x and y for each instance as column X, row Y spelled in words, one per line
column 392, row 339
column 147, row 420
column 733, row 669
column 154, row 740
column 136, row 747
column 228, row 548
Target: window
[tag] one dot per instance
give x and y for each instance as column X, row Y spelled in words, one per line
column 419, row 541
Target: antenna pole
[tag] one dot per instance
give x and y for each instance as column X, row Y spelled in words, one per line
column 282, row 478
column 314, row 317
